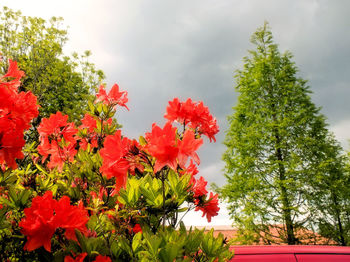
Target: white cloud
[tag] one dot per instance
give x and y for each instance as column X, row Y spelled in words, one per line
column 341, row 131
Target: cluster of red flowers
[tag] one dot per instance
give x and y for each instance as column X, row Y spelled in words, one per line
column 46, row 215
column 17, row 109
column 197, row 117
column 113, row 98
column 209, row 205
column 199, row 187
column 57, row 140
column 61, row 140
column 89, row 124
column 210, row 208
column 168, row 150
column 119, row 155
column 194, row 114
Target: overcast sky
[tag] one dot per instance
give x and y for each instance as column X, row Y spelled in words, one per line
column 157, row 50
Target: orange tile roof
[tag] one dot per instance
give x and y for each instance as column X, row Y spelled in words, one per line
column 305, row 236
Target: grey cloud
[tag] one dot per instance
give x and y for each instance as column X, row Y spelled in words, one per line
column 191, row 49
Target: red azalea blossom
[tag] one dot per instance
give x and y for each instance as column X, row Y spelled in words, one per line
column 188, row 147
column 38, row 224
column 195, row 114
column 134, row 157
column 137, row 228
column 113, row 155
column 57, row 140
column 199, row 187
column 163, row 145
column 14, row 74
column 192, row 170
column 70, row 217
column 113, row 98
column 100, row 258
column 56, row 127
column 89, row 123
column 11, row 142
column 46, row 215
column 210, row 208
column 79, row 258
column 16, row 112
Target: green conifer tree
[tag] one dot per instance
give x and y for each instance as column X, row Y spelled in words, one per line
column 280, row 157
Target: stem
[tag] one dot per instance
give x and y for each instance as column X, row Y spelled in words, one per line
column 337, row 214
column 163, row 192
column 188, row 210
column 286, row 208
column 99, row 139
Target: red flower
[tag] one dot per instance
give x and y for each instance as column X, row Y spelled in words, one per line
column 57, row 139
column 134, row 157
column 90, row 136
column 70, row 217
column 163, row 145
column 46, row 215
column 25, row 107
column 204, row 121
column 188, row 147
column 199, row 187
column 210, row 208
column 195, row 114
column 88, row 122
column 56, row 127
column 192, row 170
column 168, row 149
column 113, row 155
column 113, row 98
column 16, row 112
column 14, row 73
column 137, row 228
column 11, row 141
column 79, row 258
column 100, row 258
column 38, row 224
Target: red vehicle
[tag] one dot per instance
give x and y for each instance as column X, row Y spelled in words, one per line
column 291, row 254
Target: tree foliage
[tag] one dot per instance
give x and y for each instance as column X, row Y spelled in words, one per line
column 61, row 83
column 282, row 164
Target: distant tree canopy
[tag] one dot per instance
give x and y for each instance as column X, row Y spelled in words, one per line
column 285, row 171
column 61, row 83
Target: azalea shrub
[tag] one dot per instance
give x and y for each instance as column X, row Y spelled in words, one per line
column 90, row 193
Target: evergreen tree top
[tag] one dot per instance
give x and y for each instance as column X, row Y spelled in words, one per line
column 278, row 148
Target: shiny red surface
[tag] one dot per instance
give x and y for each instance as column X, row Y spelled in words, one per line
column 291, row 253
column 290, row 250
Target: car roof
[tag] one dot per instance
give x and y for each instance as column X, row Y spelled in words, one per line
column 245, row 250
